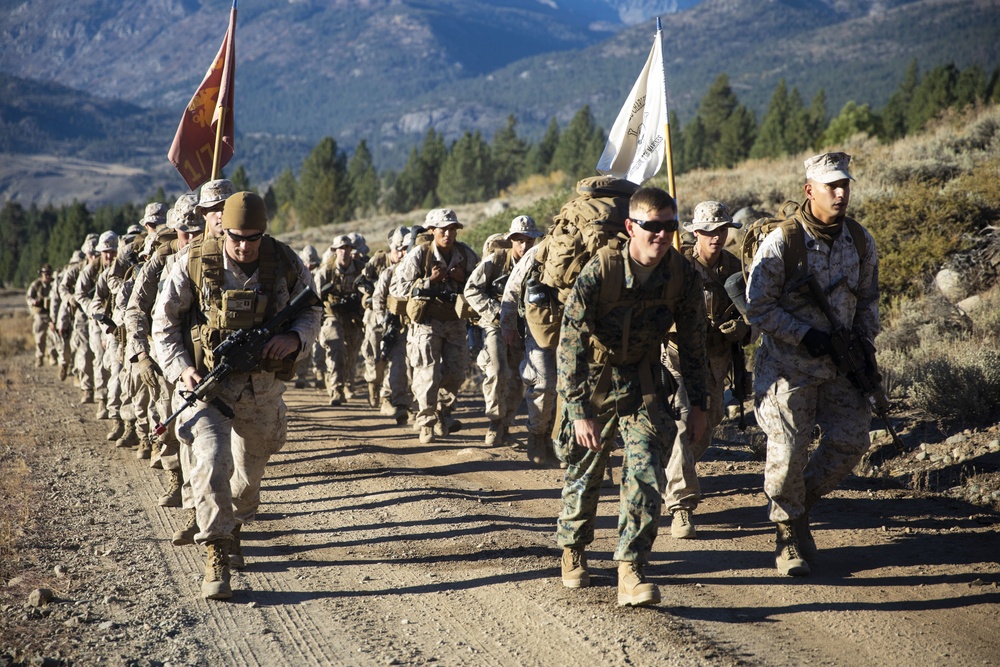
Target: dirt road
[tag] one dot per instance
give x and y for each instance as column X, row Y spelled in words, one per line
column 372, row 549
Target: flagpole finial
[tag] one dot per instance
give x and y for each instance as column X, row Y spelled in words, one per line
column 659, row 26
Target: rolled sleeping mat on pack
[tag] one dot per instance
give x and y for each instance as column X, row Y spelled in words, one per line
column 736, row 288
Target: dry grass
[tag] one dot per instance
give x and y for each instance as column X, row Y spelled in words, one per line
column 15, row 333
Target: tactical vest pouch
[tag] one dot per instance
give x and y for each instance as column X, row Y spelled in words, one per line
column 416, row 310
column 464, row 310
column 440, row 310
column 283, row 369
column 543, row 321
column 395, row 306
column 239, row 309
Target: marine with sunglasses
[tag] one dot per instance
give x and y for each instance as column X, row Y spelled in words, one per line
column 610, row 379
column 226, row 284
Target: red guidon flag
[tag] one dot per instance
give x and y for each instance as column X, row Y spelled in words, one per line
column 194, row 144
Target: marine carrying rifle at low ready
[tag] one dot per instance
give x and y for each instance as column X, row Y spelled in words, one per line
column 239, row 353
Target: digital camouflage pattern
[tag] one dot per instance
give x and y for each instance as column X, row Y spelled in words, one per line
column 646, row 437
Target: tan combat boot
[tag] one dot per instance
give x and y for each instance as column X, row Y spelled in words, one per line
column 102, row 410
column 426, row 435
column 372, row 395
column 386, row 408
column 63, row 372
column 536, row 449
column 787, row 554
column 235, row 551
column 130, row 438
column 172, row 498
column 145, row 449
column 494, row 434
column 681, row 525
column 807, row 545
column 633, row 589
column 185, row 535
column 215, row 585
column 574, row 568
column 88, row 397
column 117, row 429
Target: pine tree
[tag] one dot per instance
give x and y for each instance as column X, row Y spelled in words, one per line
column 363, row 180
column 894, row 115
column 798, row 130
column 284, row 189
column 417, row 183
column 13, row 233
column 817, row 119
column 851, row 120
column 695, row 145
column 580, row 146
column 240, row 180
column 970, row 87
column 467, row 174
column 539, row 158
column 72, row 225
column 676, row 142
column 323, row 193
column 935, row 93
column 509, row 153
column 738, row 133
column 771, row 138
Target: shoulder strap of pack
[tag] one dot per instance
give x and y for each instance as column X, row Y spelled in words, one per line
column 612, row 279
column 795, row 247
column 859, row 237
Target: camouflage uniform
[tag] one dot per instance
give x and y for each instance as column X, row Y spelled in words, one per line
column 683, row 487
column 342, row 326
column 395, row 389
column 538, row 364
column 794, row 391
column 90, row 353
column 613, row 394
column 502, row 388
column 374, row 369
column 39, row 297
column 437, row 347
column 229, row 455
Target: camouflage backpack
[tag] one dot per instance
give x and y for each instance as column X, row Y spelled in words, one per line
column 795, row 257
column 595, row 218
column 586, row 223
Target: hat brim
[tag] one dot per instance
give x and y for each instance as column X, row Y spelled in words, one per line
column 531, row 235
column 833, row 177
column 709, row 226
column 154, row 221
column 445, row 225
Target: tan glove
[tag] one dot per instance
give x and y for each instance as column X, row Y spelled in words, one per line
column 734, row 330
column 148, row 372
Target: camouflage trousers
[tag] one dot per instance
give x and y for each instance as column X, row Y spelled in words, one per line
column 639, row 504
column 538, row 372
column 502, row 387
column 439, row 354
column 228, row 457
column 396, row 380
column 83, row 361
column 340, row 338
column 683, row 487
column 374, row 369
column 787, row 410
column 99, row 372
column 43, row 341
column 112, row 365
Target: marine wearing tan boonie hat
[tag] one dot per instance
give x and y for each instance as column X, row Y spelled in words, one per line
column 441, row 218
column 214, row 193
column 828, row 167
column 156, row 214
column 342, row 241
column 710, row 216
column 525, row 226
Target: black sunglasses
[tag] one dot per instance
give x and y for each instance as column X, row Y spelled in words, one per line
column 249, row 239
column 656, row 226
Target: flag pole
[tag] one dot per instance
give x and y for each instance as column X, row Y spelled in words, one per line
column 667, row 149
column 220, row 127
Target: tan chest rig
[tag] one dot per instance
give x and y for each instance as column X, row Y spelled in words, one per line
column 342, row 288
column 222, row 311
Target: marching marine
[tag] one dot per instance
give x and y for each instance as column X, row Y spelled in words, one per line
column 237, row 282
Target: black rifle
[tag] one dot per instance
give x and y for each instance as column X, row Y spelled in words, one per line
column 499, row 285
column 855, row 359
column 106, row 322
column 439, row 294
column 239, row 353
column 740, row 382
column 392, row 327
